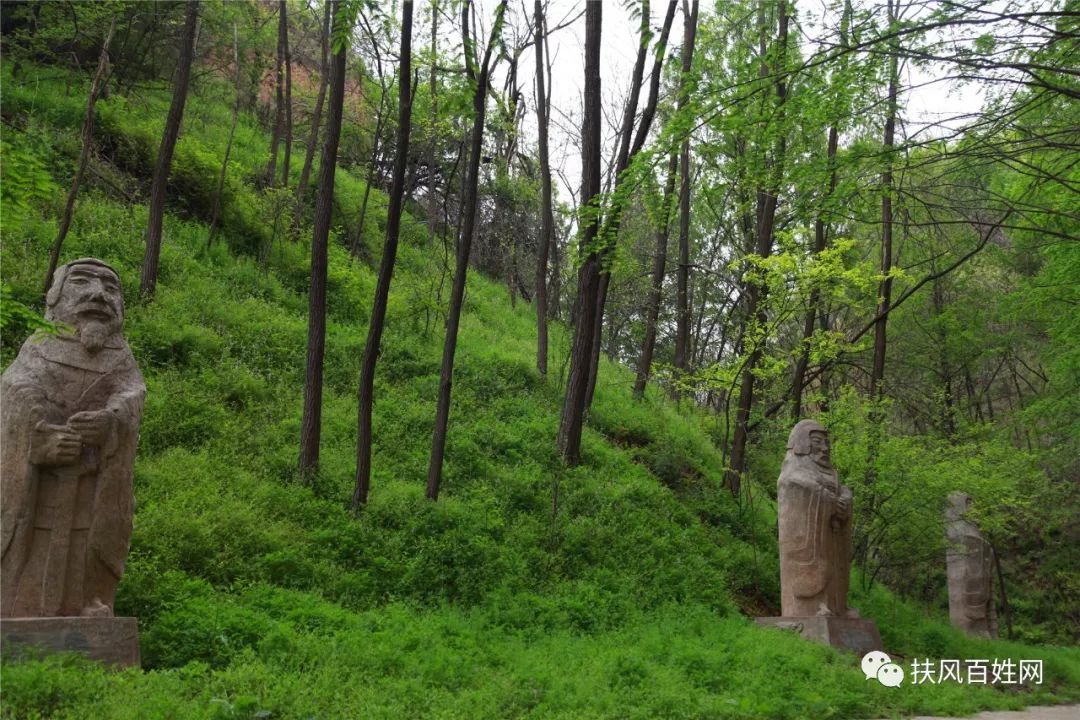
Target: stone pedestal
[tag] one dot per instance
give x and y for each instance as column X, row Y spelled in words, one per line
column 111, row 640
column 859, row 635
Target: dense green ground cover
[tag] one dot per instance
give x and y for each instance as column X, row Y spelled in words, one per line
column 617, row 589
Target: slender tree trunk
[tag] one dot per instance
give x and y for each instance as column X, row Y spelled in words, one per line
column 457, row 292
column 311, row 426
column 316, row 119
column 386, row 265
column 357, row 241
column 622, row 159
column 573, row 411
column 555, row 293
column 877, row 373
column 547, row 223
column 821, row 240
column 432, row 211
column 287, row 55
column 627, row 151
column 214, row 215
column 755, row 293
column 84, row 156
column 682, row 302
column 279, row 99
column 941, row 339
column 148, row 281
column 380, row 118
column 652, row 311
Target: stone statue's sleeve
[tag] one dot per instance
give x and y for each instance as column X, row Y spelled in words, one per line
column 22, row 407
column 110, row 532
column 126, row 407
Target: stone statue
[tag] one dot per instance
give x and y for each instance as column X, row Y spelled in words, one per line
column 70, row 424
column 814, row 518
column 815, row 528
column 969, row 559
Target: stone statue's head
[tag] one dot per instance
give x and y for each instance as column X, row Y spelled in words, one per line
column 86, row 295
column 809, row 437
column 957, row 505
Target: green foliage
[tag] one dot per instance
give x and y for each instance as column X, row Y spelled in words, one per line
column 608, row 590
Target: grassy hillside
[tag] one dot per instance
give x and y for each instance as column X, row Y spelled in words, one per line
column 617, row 589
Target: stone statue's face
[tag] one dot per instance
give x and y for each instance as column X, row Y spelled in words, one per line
column 91, row 302
column 819, row 448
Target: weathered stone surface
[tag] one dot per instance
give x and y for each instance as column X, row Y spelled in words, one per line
column 815, row 528
column 70, row 424
column 111, row 640
column 814, row 518
column 970, row 562
column 846, row 633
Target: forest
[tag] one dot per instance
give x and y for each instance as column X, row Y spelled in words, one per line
column 473, row 333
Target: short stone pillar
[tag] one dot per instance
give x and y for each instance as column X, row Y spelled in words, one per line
column 69, row 419
column 969, row 561
column 814, row 517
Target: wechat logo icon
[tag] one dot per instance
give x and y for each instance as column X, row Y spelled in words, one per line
column 876, row 664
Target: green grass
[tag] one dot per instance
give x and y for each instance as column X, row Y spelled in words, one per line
column 610, row 590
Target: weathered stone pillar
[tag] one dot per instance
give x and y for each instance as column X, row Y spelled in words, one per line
column 970, row 563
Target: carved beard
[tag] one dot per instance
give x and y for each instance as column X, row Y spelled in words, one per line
column 93, row 334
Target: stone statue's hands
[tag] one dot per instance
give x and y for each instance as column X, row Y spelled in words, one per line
column 55, row 445
column 92, row 425
column 843, row 507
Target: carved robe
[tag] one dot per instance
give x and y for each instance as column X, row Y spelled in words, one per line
column 66, row 528
column 815, row 539
column 969, row 561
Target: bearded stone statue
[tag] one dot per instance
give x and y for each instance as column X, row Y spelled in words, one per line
column 815, row 528
column 70, row 425
column 814, row 518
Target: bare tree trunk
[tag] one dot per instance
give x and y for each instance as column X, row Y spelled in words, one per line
column 877, row 373
column 573, row 411
column 148, row 281
column 316, row 118
column 386, row 266
column 228, row 145
column 555, row 295
column 627, row 151
column 457, row 291
column 279, row 89
column 311, row 426
column 434, row 119
column 84, row 156
column 948, row 409
column 682, row 302
column 821, row 240
column 288, row 94
column 358, row 238
column 652, row 311
column 357, row 241
column 766, row 204
column 547, row 223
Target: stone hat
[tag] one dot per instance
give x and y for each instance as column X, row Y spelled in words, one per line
column 799, row 439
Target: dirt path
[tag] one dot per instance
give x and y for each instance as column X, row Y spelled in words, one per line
column 1051, row 712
